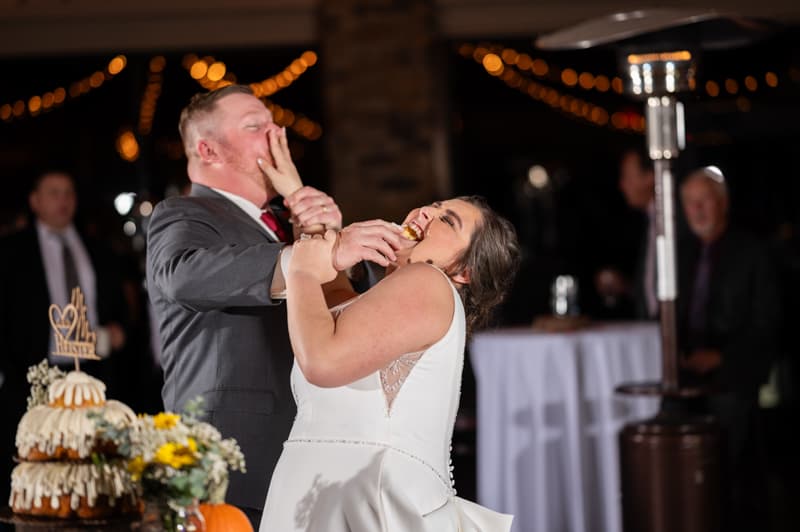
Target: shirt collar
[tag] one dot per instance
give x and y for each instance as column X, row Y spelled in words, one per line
column 69, row 233
column 250, row 208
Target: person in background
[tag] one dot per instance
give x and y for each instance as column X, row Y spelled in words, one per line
column 637, row 184
column 41, row 265
column 729, row 318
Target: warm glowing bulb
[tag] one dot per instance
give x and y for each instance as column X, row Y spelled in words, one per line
column 586, row 80
column 216, row 71
column 116, row 65
column 569, row 77
column 198, row 70
column 297, row 67
column 493, row 64
column 270, row 86
column 96, row 79
column 540, row 67
column 309, row 57
column 771, row 79
column 524, row 61
column 509, row 56
column 35, row 104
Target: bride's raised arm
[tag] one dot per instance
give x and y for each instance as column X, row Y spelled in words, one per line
column 406, row 312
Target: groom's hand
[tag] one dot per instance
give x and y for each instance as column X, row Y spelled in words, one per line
column 374, row 240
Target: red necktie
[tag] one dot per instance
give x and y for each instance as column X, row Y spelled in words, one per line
column 271, row 221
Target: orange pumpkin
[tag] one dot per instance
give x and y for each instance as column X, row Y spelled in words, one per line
column 225, row 518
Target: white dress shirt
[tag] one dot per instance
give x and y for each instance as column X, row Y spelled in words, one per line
column 50, row 242
column 250, row 208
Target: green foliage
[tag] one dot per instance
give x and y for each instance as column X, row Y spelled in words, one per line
column 177, row 458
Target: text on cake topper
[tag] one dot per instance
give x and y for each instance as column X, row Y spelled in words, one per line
column 71, row 329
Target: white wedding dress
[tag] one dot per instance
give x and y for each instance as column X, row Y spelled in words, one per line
column 374, row 456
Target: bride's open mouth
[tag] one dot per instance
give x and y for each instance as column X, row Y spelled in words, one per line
column 412, row 231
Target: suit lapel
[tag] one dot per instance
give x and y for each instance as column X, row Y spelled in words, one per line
column 202, row 191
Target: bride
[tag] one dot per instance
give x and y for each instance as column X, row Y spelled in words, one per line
column 377, row 379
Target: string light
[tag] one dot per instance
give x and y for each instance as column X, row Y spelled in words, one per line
column 502, row 67
column 771, row 79
column 212, row 74
column 601, row 83
column 38, row 104
column 586, row 81
column 216, row 71
column 127, row 145
column 569, row 77
column 493, row 64
column 147, row 107
column 272, row 84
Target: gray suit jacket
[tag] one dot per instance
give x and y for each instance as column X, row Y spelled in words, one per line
column 209, row 269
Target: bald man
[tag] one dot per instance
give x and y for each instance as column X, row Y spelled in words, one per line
column 729, row 318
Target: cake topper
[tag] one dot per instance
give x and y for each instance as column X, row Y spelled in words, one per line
column 71, row 329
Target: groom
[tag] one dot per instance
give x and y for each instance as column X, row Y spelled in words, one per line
column 214, row 277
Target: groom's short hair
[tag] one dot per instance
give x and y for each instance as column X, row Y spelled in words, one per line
column 200, row 106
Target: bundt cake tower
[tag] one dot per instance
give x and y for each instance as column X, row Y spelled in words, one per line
column 65, row 470
column 57, row 476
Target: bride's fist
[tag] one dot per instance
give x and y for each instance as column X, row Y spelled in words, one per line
column 314, row 256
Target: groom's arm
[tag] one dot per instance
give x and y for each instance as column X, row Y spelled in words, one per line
column 191, row 264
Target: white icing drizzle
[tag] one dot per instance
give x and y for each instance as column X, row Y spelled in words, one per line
column 35, row 484
column 76, row 388
column 47, row 427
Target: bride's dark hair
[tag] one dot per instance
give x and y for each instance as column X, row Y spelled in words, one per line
column 491, row 260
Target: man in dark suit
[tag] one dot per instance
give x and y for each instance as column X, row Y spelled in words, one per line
column 214, row 276
column 729, row 318
column 40, row 266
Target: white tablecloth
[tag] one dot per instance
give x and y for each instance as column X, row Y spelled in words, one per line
column 548, row 420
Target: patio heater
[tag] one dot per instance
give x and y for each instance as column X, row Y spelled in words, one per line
column 670, row 464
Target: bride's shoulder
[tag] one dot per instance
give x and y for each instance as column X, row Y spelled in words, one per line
column 417, row 285
column 419, row 275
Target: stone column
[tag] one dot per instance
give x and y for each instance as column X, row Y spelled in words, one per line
column 383, row 84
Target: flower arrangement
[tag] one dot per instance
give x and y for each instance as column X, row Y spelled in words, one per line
column 40, row 377
column 177, row 459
